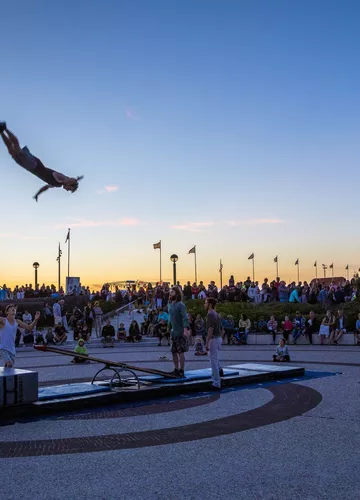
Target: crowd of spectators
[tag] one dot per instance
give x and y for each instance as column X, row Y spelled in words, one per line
column 331, row 328
column 276, row 290
column 337, row 292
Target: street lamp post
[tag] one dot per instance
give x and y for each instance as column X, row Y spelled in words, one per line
column 324, row 268
column 58, row 258
column 174, row 258
column 36, row 266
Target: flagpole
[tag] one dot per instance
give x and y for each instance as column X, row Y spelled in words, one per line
column 277, row 267
column 253, row 268
column 195, row 265
column 316, row 271
column 160, row 264
column 220, row 274
column 68, row 254
column 298, row 266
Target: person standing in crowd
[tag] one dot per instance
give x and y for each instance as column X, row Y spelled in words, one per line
column 63, row 314
column 57, row 313
column 179, row 327
column 97, row 311
column 8, row 329
column 187, row 291
column 213, row 341
column 159, row 295
column 89, row 317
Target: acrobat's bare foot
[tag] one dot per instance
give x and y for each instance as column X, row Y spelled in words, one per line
column 2, row 127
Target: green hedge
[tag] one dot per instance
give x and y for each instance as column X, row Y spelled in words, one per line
column 277, row 309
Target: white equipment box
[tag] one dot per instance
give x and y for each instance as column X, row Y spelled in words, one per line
column 17, row 387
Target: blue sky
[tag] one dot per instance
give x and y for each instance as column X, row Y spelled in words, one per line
column 237, row 122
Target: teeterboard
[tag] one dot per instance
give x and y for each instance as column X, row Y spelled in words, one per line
column 106, row 362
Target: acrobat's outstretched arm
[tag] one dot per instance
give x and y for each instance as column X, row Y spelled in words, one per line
column 42, row 190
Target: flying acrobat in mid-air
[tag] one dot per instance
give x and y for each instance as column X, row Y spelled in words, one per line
column 25, row 159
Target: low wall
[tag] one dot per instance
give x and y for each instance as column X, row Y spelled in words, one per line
column 35, row 304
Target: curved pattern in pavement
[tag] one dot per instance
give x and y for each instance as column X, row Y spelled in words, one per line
column 290, row 400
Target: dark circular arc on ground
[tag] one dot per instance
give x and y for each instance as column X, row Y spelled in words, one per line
column 290, row 400
column 135, row 411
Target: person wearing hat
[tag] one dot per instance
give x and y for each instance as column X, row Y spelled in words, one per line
column 80, row 349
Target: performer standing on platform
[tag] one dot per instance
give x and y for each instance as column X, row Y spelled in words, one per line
column 213, row 341
column 8, row 328
column 179, row 327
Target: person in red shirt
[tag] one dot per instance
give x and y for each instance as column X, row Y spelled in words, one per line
column 287, row 326
column 195, row 291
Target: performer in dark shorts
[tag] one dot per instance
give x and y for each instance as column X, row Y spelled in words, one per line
column 179, row 325
column 25, row 159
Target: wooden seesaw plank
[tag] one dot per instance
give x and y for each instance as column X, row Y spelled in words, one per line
column 73, row 354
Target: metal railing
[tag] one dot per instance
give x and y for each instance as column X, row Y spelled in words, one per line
column 116, row 313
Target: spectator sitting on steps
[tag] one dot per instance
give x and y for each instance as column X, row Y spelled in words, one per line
column 282, row 352
column 199, row 348
column 272, row 328
column 108, row 334
column 80, row 349
column 49, row 336
column 299, row 326
column 340, row 328
column 163, row 332
column 312, row 326
column 357, row 330
column 60, row 334
column 287, row 326
column 121, row 333
column 134, row 332
column 244, row 328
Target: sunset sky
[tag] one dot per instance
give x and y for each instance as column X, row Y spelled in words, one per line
column 230, row 125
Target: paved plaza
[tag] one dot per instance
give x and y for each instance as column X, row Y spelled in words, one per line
column 293, row 439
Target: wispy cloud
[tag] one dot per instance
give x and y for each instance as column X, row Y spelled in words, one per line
column 194, row 227
column 107, row 189
column 18, row 236
column 102, row 223
column 253, row 222
column 131, row 114
column 111, row 189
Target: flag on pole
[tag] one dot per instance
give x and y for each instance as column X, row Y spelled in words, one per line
column 347, row 267
column 276, row 259
column 68, row 236
column 221, row 266
column 315, row 263
column 251, row 256
column 157, row 245
column 192, row 250
column 332, row 266
column 297, row 262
